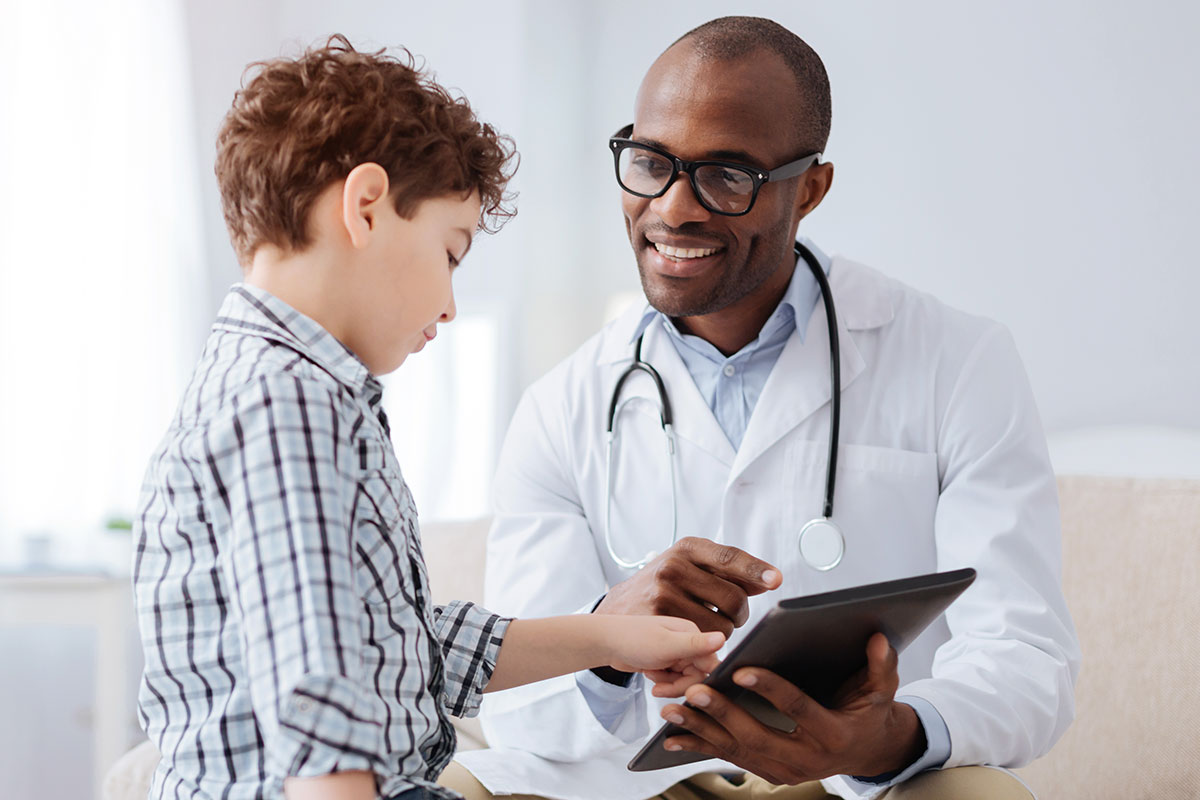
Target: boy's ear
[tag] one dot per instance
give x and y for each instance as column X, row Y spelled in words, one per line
column 363, row 197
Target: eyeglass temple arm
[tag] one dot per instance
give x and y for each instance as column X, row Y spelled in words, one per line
column 793, row 169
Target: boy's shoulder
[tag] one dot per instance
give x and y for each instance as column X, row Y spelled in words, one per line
column 237, row 366
column 263, row 356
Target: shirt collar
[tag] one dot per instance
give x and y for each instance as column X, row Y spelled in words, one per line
column 253, row 311
column 802, row 293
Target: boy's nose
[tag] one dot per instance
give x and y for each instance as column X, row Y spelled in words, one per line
column 451, row 310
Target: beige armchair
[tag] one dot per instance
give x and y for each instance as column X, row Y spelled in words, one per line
column 1131, row 572
column 1132, row 579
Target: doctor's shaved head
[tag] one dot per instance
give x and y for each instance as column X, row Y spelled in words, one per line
column 733, row 38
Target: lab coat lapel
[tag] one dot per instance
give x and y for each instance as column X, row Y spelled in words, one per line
column 694, row 420
column 799, row 382
column 798, row 385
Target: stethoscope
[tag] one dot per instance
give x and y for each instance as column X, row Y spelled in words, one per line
column 820, row 540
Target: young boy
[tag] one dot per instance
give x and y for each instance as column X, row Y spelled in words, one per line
column 291, row 646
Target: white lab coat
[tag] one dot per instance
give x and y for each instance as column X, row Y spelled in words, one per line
column 943, row 464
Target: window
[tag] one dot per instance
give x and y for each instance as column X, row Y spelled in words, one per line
column 99, row 253
column 442, row 409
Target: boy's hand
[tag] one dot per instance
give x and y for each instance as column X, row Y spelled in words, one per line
column 672, row 652
column 674, row 684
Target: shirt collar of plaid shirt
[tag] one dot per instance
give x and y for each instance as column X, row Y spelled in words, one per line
column 250, row 310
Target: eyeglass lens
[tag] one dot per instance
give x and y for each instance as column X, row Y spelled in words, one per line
column 721, row 189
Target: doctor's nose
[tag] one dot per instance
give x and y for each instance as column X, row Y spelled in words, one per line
column 679, row 204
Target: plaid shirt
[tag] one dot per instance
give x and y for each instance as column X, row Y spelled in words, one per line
column 281, row 592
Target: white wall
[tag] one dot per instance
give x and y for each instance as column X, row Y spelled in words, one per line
column 1033, row 162
column 1030, row 161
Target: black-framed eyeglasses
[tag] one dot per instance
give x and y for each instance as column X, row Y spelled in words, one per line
column 722, row 187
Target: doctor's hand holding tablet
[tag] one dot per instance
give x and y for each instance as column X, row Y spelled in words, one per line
column 863, row 730
column 827, row 704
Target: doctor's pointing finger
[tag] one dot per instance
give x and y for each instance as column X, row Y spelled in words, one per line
column 698, row 580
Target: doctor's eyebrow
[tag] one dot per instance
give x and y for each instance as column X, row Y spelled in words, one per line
column 739, row 156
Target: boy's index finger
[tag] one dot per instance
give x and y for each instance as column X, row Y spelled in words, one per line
column 752, row 575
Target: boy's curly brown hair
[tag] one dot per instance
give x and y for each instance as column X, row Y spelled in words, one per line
column 300, row 124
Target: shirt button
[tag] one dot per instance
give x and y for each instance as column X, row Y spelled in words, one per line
column 729, row 370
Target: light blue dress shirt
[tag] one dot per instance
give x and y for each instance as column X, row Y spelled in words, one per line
column 731, row 385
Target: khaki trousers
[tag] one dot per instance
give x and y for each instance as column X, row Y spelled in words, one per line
column 961, row 783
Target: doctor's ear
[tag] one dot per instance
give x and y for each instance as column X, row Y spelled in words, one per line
column 811, row 189
column 363, row 197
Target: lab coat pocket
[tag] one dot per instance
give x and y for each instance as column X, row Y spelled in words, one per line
column 886, row 461
column 884, row 502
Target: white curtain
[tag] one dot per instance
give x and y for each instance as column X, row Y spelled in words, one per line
column 100, row 264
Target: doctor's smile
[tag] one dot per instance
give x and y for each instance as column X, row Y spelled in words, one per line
column 680, row 257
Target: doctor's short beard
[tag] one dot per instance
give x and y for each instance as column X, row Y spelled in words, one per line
column 738, row 274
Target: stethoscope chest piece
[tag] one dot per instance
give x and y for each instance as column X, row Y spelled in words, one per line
column 822, row 544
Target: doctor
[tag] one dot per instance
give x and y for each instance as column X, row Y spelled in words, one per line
column 942, row 464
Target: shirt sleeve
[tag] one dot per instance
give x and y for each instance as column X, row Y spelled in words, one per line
column 612, row 705
column 937, row 748
column 470, row 638
column 277, row 464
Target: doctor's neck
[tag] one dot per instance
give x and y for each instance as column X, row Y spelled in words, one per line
column 737, row 324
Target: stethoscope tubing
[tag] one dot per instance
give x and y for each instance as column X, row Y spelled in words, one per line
column 638, row 365
column 835, row 375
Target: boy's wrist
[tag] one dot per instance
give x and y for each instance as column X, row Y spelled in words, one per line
column 607, row 641
column 607, row 673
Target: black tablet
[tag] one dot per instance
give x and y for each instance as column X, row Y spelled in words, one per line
column 817, row 642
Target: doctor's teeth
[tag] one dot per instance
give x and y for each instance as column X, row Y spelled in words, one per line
column 682, row 252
